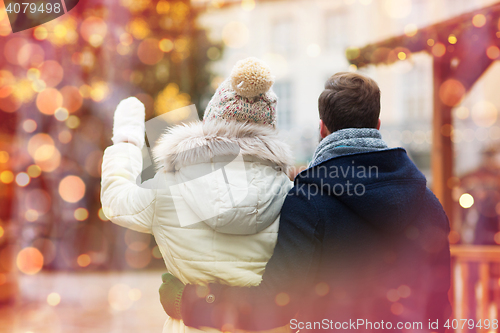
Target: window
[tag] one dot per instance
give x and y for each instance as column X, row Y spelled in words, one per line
column 284, row 92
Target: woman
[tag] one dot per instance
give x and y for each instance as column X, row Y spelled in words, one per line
column 223, row 181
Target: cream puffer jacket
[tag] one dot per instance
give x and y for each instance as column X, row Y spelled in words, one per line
column 213, row 206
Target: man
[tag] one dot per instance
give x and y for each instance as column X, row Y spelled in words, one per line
column 362, row 243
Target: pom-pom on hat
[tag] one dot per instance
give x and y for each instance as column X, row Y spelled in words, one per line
column 246, row 96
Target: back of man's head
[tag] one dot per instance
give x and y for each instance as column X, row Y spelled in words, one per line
column 349, row 100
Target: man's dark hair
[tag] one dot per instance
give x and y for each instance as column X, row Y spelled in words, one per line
column 349, row 100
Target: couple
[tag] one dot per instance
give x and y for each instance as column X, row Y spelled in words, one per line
column 358, row 243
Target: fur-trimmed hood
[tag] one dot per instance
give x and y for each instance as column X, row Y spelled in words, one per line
column 230, row 176
column 197, row 142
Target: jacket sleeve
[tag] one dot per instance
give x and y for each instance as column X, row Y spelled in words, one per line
column 124, row 202
column 288, row 275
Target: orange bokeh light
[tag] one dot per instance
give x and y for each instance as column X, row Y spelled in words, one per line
column 282, row 299
column 479, row 20
column 149, row 51
column 83, row 260
column 397, row 309
column 38, row 141
column 29, row 260
column 72, row 99
column 493, row 52
column 93, row 30
column 12, row 48
column 51, row 72
column 30, row 55
column 451, row 92
column 10, row 103
column 41, row 148
column 72, row 189
column 438, row 50
column 49, row 100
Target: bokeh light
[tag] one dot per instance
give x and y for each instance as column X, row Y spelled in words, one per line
column 64, row 136
column 404, row 291
column 438, row 50
column 6, row 177
column 282, row 299
column 135, row 294
column 493, row 52
column 12, row 49
column 451, row 92
column 51, row 73
column 149, row 51
column 72, row 189
column 22, row 179
column 139, row 28
column 322, row 289
column 42, row 149
column 166, row 45
column 72, row 98
column 49, row 100
column 93, row 29
column 73, row 122
column 61, row 114
column 40, row 33
column 4, row 157
column 466, row 200
column 171, row 99
column 397, row 309
column 462, row 112
column 30, row 55
column 81, row 214
column 83, row 260
column 479, row 20
column 53, row 299
column 411, row 30
column 101, row 215
column 29, row 125
column 29, row 260
column 99, row 91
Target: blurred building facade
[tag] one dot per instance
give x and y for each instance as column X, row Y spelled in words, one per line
column 305, row 42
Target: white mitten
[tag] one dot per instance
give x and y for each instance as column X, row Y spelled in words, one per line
column 128, row 124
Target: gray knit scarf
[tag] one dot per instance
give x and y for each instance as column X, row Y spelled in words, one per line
column 348, row 141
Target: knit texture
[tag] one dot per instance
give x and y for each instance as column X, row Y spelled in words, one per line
column 246, row 96
column 348, row 141
column 171, row 294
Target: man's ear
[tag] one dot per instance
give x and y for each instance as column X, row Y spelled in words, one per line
column 323, row 130
column 378, row 125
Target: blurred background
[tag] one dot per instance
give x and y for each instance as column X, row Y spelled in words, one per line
column 64, row 266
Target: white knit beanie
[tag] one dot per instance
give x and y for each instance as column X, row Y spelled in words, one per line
column 246, row 96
